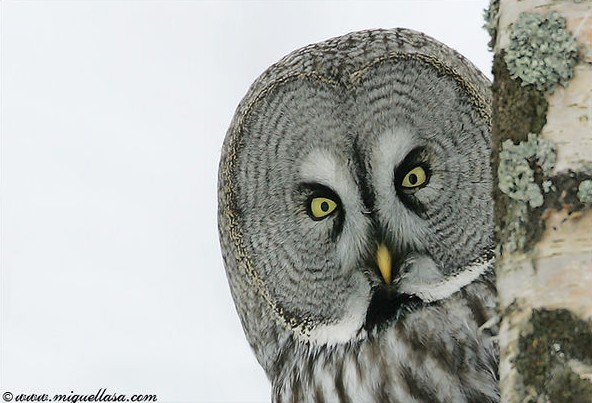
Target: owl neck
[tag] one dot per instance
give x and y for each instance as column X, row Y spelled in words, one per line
column 439, row 353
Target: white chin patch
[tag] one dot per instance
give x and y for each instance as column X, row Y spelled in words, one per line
column 348, row 328
column 351, row 326
column 445, row 287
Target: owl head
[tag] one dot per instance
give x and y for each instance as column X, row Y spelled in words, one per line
column 355, row 186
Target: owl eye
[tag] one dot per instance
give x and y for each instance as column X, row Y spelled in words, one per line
column 415, row 178
column 320, row 207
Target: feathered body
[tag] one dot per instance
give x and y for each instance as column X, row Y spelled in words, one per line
column 437, row 355
column 355, row 219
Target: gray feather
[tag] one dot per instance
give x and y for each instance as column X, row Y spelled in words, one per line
column 347, row 116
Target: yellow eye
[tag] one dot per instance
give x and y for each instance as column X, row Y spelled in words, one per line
column 414, row 178
column 321, row 207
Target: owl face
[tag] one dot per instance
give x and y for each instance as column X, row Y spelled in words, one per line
column 355, row 222
column 361, row 200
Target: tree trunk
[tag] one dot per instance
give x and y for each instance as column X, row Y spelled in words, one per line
column 542, row 157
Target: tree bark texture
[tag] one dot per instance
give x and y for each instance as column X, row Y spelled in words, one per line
column 542, row 157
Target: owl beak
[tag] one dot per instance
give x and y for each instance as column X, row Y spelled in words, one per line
column 385, row 263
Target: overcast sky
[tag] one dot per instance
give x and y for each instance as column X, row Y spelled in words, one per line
column 112, row 119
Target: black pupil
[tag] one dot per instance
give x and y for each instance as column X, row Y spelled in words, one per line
column 325, row 206
column 412, row 179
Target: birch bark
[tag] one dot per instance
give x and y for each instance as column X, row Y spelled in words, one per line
column 542, row 154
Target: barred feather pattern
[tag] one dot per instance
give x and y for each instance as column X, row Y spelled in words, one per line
column 442, row 353
column 345, row 115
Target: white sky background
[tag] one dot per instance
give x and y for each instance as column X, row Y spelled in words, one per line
column 113, row 115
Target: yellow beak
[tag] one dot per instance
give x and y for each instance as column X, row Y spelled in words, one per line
column 385, row 263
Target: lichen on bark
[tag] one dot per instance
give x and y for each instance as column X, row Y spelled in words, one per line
column 517, row 165
column 491, row 17
column 542, row 53
column 550, row 350
column 517, row 112
column 541, row 214
column 585, row 191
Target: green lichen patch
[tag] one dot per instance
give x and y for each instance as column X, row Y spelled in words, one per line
column 491, row 17
column 555, row 338
column 585, row 191
column 517, row 165
column 516, row 111
column 542, row 53
column 566, row 192
column 523, row 175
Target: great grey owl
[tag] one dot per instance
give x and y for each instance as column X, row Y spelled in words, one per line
column 355, row 217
